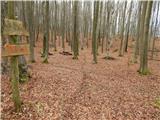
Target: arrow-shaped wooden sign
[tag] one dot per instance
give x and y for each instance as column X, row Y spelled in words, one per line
column 14, row 50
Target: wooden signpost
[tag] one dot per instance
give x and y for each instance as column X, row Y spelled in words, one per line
column 13, row 49
column 14, row 28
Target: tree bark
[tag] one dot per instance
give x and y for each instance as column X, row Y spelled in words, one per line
column 122, row 30
column 144, row 55
column 31, row 30
column 14, row 65
column 46, row 33
column 136, row 48
column 94, row 36
column 153, row 43
column 75, row 30
column 128, row 26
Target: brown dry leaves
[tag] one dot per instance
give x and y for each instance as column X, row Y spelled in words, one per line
column 67, row 89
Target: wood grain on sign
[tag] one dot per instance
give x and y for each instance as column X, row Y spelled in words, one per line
column 14, row 50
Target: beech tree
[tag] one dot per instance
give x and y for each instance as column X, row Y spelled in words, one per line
column 128, row 26
column 46, row 34
column 137, row 42
column 155, row 31
column 94, row 35
column 122, row 30
column 144, row 52
column 31, row 29
column 75, row 30
column 144, row 5
column 55, row 27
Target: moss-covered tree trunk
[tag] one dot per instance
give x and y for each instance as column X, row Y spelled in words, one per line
column 75, row 30
column 46, row 35
column 122, row 30
column 55, row 27
column 108, row 30
column 128, row 26
column 136, row 46
column 144, row 7
column 100, row 24
column 153, row 43
column 31, row 29
column 94, row 36
column 43, row 28
column 144, row 65
column 104, row 27
column 14, row 65
column 63, row 25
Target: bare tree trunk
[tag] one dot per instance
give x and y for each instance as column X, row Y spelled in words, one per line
column 136, row 48
column 31, row 32
column 95, row 22
column 153, row 43
column 128, row 26
column 144, row 55
column 108, row 29
column 46, row 35
column 63, row 25
column 144, row 7
column 122, row 31
column 100, row 22
column 75, row 30
column 104, row 27
column 55, row 27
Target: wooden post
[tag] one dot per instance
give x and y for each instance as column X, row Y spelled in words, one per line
column 14, row 28
column 15, row 78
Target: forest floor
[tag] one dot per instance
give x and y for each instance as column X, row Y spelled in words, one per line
column 67, row 89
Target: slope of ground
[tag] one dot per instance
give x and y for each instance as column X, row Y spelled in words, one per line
column 67, row 89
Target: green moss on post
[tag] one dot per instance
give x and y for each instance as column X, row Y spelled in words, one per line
column 15, row 83
column 14, row 65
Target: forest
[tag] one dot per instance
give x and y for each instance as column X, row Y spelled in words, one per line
column 80, row 60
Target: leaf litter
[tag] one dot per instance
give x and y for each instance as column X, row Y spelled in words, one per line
column 67, row 89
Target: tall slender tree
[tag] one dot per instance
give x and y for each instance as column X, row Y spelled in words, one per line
column 137, row 42
column 128, row 26
column 109, row 5
column 104, row 26
column 144, row 7
column 144, row 52
column 63, row 20
column 55, row 26
column 122, row 30
column 94, row 35
column 75, row 30
column 46, row 34
column 31, row 29
column 155, row 30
